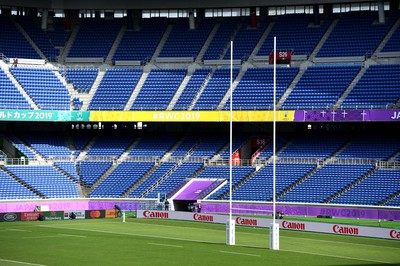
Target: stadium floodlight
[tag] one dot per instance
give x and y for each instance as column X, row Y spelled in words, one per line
column 274, row 229
column 230, row 224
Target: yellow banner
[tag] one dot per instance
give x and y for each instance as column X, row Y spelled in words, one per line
column 189, row 116
column 111, row 116
column 111, row 214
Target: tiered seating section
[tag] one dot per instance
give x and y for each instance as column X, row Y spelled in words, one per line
column 218, row 45
column 121, row 179
column 115, row 89
column 326, row 182
column 379, row 186
column 140, row 44
column 196, row 82
column 354, row 34
column 101, row 32
column 158, row 89
column 320, row 87
column 296, row 33
column 255, row 90
column 192, row 38
column 215, row 89
column 378, row 88
column 312, row 175
column 246, row 40
column 44, row 87
column 319, row 180
column 82, row 79
column 10, row 189
column 10, row 97
column 260, row 186
column 46, row 180
column 39, row 37
column 19, row 47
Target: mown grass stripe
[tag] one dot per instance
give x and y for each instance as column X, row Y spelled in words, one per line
column 21, row 262
column 336, row 256
column 240, row 253
column 165, row 245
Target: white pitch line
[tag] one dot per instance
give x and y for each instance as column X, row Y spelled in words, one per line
column 22, row 262
column 335, row 256
column 72, row 235
column 165, row 245
column 34, row 237
column 239, row 253
column 17, row 230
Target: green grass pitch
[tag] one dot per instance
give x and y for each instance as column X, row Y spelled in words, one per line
column 166, row 242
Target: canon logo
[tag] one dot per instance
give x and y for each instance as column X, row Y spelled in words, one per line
column 293, row 225
column 203, row 218
column 246, row 221
column 395, row 234
column 150, row 214
column 9, row 217
column 345, row 230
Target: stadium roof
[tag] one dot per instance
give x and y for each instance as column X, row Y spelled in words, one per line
column 161, row 4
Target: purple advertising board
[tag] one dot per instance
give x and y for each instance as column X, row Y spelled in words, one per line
column 301, row 210
column 67, row 205
column 208, row 207
column 346, row 115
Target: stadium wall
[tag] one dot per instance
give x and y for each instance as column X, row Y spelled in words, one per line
column 293, row 209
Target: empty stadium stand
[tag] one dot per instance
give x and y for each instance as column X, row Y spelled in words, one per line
column 384, row 183
column 255, row 89
column 139, row 44
column 298, row 33
column 11, row 189
column 356, row 34
column 193, row 87
column 320, row 87
column 44, row 87
column 10, row 97
column 46, row 180
column 115, row 89
column 346, row 61
column 378, row 88
column 192, row 38
column 158, row 89
column 82, row 79
column 103, row 34
column 19, row 47
column 215, row 90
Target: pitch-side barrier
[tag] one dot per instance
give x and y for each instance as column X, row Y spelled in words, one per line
column 329, row 228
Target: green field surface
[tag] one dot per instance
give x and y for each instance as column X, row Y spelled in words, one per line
column 166, row 242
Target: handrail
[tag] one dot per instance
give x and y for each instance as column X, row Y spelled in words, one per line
column 4, row 58
column 392, row 164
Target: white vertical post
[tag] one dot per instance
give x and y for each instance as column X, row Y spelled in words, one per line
column 45, row 15
column 230, row 224
column 381, row 11
column 274, row 230
column 123, row 216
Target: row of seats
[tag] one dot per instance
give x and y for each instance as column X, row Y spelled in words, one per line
column 317, row 88
column 355, row 34
column 321, row 184
column 309, row 145
column 318, row 186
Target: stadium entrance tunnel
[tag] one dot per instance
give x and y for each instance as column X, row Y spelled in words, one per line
column 185, row 205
